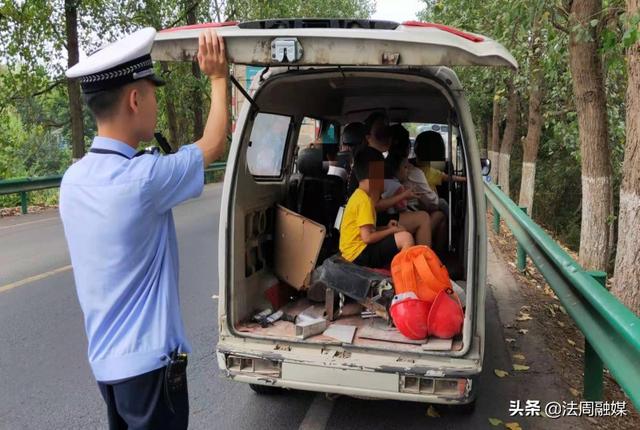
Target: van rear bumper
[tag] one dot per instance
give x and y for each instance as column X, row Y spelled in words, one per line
column 395, row 384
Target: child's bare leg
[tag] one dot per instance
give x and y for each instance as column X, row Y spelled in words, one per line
column 418, row 224
column 404, row 240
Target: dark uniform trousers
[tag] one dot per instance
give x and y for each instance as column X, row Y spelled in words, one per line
column 151, row 401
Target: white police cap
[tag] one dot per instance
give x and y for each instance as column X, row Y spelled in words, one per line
column 118, row 64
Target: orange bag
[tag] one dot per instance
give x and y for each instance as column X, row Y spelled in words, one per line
column 418, row 269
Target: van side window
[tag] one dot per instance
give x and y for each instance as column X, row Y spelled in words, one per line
column 328, row 133
column 309, row 129
column 267, row 143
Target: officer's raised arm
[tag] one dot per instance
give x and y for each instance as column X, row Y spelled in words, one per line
column 213, row 63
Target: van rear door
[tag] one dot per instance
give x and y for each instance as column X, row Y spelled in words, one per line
column 317, row 42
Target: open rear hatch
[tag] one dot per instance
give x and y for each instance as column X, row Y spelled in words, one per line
column 315, row 42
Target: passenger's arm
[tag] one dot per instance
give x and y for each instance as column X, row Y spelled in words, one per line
column 426, row 196
column 384, row 204
column 454, row 178
column 369, row 234
column 213, row 63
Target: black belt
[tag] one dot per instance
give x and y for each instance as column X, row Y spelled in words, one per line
column 109, row 151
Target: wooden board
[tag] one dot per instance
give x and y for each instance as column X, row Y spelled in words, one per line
column 297, row 245
column 390, row 335
column 394, row 336
column 343, row 333
column 286, row 331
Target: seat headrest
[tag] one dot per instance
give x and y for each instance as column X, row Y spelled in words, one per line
column 329, row 150
column 310, row 161
column 353, row 134
column 429, row 146
column 344, row 159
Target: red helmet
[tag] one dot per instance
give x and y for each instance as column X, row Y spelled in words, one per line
column 410, row 315
column 446, row 315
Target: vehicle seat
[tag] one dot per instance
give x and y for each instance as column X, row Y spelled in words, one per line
column 319, row 196
column 352, row 137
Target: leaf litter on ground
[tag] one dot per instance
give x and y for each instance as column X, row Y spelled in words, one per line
column 500, row 373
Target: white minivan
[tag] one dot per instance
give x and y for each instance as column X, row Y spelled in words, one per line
column 336, row 72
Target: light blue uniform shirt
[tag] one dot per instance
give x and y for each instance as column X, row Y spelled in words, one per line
column 116, row 212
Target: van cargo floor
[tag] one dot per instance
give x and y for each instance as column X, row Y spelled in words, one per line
column 285, row 330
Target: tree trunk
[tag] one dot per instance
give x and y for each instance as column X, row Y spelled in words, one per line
column 531, row 144
column 626, row 283
column 494, row 143
column 588, row 88
column 170, row 106
column 509, row 137
column 534, row 127
column 196, row 97
column 216, row 9
column 489, row 130
column 484, row 143
column 73, row 86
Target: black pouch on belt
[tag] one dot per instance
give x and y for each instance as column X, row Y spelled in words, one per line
column 175, row 376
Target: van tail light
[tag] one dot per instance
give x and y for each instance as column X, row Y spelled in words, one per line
column 455, row 388
column 255, row 366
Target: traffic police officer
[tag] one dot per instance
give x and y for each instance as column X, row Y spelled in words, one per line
column 116, row 205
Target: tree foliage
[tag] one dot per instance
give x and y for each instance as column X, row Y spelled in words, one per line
column 35, row 129
column 558, row 187
column 34, row 117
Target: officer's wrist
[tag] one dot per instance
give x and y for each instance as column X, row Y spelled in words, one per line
column 217, row 78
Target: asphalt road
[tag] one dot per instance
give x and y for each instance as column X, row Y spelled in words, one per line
column 46, row 382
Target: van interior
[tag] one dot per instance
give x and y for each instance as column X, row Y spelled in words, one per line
column 282, row 212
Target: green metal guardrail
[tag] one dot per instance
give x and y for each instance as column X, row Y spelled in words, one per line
column 23, row 185
column 213, row 167
column 611, row 331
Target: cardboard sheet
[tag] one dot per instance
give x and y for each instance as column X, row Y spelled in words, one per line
column 390, row 335
column 297, row 245
column 343, row 333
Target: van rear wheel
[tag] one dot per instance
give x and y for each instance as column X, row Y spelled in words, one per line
column 265, row 389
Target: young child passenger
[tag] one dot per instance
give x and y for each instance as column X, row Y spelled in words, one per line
column 430, row 146
column 400, row 174
column 396, row 169
column 360, row 241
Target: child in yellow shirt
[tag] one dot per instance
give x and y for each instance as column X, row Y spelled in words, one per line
column 360, row 241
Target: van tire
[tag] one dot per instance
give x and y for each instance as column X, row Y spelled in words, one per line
column 265, row 389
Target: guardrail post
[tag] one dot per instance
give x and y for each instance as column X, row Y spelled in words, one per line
column 24, row 202
column 496, row 217
column 521, row 255
column 593, row 369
